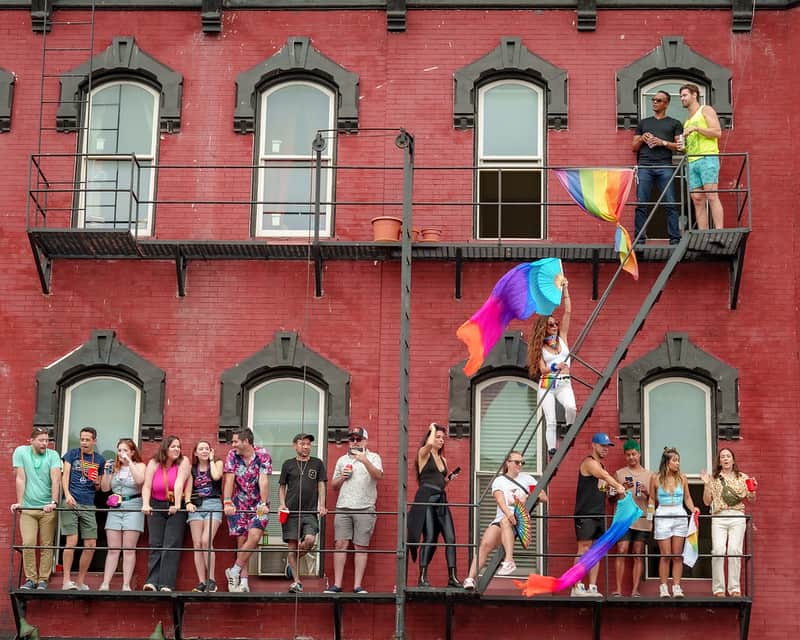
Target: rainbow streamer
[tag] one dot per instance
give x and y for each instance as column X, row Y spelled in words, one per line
column 547, row 381
column 626, row 514
column 690, row 549
column 524, row 526
column 602, row 193
column 517, row 295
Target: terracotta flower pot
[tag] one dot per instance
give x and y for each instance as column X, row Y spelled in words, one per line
column 431, row 234
column 386, row 229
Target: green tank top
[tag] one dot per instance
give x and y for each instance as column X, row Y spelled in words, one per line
column 696, row 143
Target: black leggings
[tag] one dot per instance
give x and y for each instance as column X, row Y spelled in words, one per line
column 438, row 520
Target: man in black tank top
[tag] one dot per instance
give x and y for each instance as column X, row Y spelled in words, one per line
column 590, row 506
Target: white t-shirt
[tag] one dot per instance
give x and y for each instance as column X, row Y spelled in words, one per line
column 361, row 489
column 512, row 490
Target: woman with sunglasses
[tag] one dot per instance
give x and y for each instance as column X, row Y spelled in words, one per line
column 548, row 362
column 508, row 487
column 430, row 516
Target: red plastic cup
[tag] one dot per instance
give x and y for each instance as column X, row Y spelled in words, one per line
column 531, row 487
column 283, row 515
column 751, row 484
column 91, row 473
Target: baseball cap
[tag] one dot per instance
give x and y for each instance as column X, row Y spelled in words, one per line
column 602, row 438
column 302, row 436
column 631, row 444
column 360, row 432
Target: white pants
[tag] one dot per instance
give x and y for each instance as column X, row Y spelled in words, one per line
column 727, row 530
column 563, row 393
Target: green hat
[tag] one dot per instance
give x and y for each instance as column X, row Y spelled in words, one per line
column 631, row 444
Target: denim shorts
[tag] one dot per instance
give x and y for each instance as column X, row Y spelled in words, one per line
column 209, row 504
column 703, row 171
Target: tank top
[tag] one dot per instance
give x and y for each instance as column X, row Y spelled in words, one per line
column 589, row 500
column 667, row 499
column 556, row 358
column 697, row 143
column 124, row 485
column 158, row 491
column 204, row 485
column 431, row 475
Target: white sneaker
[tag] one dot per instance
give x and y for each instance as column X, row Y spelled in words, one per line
column 663, row 591
column 507, row 568
column 677, row 592
column 233, row 576
column 578, row 591
column 593, row 592
column 69, row 586
column 103, row 587
column 469, row 584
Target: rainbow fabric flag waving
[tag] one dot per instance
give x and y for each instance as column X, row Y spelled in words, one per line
column 690, row 548
column 602, row 193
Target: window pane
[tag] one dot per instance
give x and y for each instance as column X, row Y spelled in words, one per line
column 506, row 187
column 510, row 121
column 672, row 87
column 107, row 404
column 288, row 196
column 122, row 120
column 677, row 417
column 294, row 114
column 109, row 204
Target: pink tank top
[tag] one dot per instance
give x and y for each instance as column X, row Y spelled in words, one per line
column 159, row 492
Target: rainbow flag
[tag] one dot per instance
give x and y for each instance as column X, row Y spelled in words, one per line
column 626, row 514
column 690, row 548
column 547, row 381
column 602, row 193
column 528, row 288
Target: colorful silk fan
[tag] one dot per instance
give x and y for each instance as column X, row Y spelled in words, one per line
column 524, row 524
column 527, row 288
column 626, row 514
column 690, row 548
column 602, row 193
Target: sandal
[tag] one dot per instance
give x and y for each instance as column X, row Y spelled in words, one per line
column 636, row 594
column 719, row 594
column 735, row 594
column 616, row 594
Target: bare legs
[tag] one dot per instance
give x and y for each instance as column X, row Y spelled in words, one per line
column 297, row 549
column 492, row 538
column 638, row 564
column 86, row 558
column 708, row 194
column 203, row 532
column 671, row 547
column 127, row 540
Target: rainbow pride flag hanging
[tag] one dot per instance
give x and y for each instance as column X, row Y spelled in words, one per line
column 528, row 288
column 626, row 514
column 602, row 193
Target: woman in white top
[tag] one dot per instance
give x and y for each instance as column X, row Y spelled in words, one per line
column 548, row 362
column 505, row 488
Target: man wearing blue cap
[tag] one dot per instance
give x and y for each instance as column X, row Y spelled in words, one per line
column 590, row 506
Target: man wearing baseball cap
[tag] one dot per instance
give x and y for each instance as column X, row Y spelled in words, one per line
column 590, row 506
column 355, row 477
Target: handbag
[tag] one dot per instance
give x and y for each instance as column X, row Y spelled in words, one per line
column 114, row 501
column 729, row 496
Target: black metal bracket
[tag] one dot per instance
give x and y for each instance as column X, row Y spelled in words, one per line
column 744, row 620
column 595, row 273
column 41, row 16
column 736, row 266
column 44, row 266
column 587, row 15
column 177, row 617
column 395, row 15
column 459, row 271
column 181, row 266
column 211, row 16
column 743, row 11
column 316, row 253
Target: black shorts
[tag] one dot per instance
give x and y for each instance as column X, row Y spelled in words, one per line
column 589, row 528
column 634, row 535
column 298, row 527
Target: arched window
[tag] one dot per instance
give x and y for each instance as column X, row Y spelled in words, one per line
column 118, row 151
column 672, row 86
column 511, row 126
column 503, row 404
column 291, row 115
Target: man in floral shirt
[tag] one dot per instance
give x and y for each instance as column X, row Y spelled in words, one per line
column 245, row 501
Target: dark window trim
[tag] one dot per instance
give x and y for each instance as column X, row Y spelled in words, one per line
column 7, row 80
column 297, row 58
column 102, row 354
column 286, row 356
column 678, row 357
column 511, row 59
column 123, row 59
column 672, row 58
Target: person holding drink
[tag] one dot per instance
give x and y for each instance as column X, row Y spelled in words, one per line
column 725, row 492
column 124, row 477
column 83, row 468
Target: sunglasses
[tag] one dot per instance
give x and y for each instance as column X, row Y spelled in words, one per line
column 355, row 439
column 659, row 100
column 552, row 323
column 519, row 462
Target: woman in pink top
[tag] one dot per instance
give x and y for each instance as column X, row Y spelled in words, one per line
column 164, row 479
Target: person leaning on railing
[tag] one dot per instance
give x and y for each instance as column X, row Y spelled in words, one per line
column 725, row 492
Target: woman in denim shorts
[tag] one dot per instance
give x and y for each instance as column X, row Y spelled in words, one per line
column 204, row 504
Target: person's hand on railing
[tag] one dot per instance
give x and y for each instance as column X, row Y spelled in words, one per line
column 147, row 509
column 229, row 509
column 16, row 507
column 191, row 507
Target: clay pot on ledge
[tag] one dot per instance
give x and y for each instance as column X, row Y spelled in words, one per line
column 386, row 229
column 431, row 234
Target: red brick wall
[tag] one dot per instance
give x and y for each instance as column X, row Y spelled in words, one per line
column 233, row 308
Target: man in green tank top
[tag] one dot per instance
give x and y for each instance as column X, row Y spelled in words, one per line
column 702, row 131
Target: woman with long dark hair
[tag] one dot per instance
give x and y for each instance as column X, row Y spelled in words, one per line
column 670, row 488
column 162, row 494
column 430, row 516
column 549, row 362
column 726, row 493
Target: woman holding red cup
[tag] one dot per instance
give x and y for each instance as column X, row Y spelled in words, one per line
column 725, row 492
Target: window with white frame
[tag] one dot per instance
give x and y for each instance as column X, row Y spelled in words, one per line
column 503, row 405
column 672, row 87
column 677, row 413
column 291, row 115
column 278, row 409
column 510, row 184
column 108, row 404
column 117, row 174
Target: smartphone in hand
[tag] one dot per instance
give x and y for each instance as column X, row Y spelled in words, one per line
column 453, row 473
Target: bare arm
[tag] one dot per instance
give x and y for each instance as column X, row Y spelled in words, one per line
column 55, row 484
column 227, row 493
column 637, row 143
column 323, row 510
column 713, row 130
column 282, row 497
column 105, row 481
column 184, row 471
column 593, row 467
column 65, row 483
column 372, row 470
column 147, row 487
column 263, row 488
column 567, row 303
column 215, row 469
column 19, row 484
column 137, row 471
column 687, row 497
column 653, row 490
column 425, row 450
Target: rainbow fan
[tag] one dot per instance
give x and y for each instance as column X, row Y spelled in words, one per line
column 524, row 525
